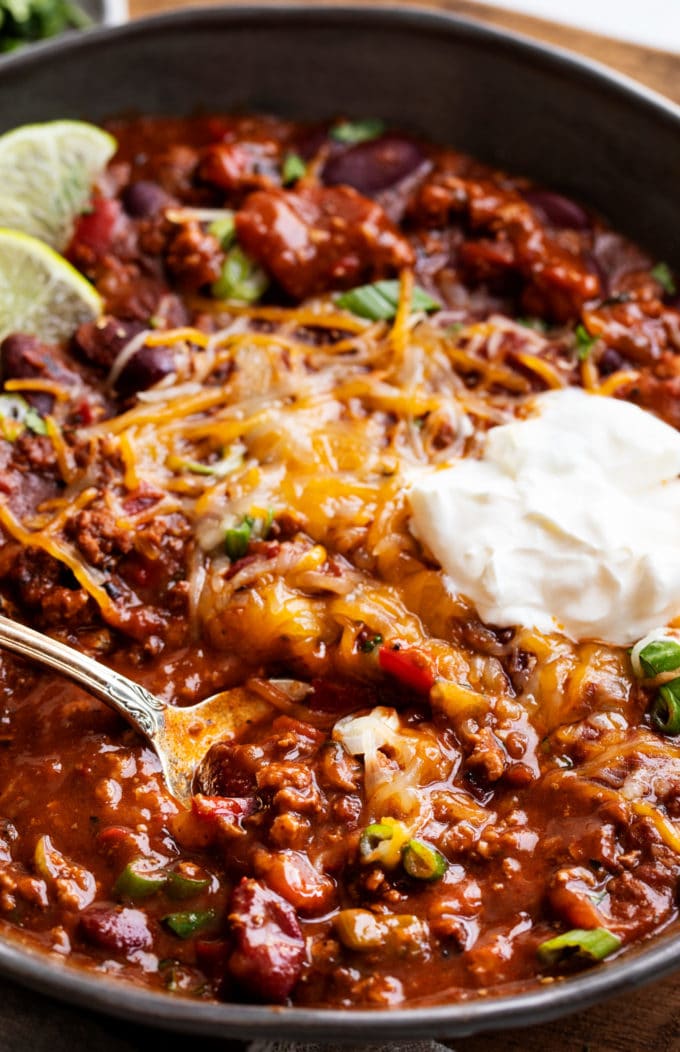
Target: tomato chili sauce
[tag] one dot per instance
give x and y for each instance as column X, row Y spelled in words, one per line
column 209, row 492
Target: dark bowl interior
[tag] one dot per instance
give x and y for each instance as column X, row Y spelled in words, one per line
column 533, row 110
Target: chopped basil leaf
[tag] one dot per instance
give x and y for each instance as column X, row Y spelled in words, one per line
column 662, row 273
column 379, row 301
column 584, row 342
column 352, row 132
column 294, row 168
column 594, row 945
column 241, row 278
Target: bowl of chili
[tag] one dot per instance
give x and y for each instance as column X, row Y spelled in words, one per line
column 517, row 106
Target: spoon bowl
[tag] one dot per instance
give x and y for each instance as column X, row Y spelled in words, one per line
column 180, row 737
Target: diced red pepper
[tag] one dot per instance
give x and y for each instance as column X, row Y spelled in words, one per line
column 94, row 229
column 410, row 667
column 214, row 807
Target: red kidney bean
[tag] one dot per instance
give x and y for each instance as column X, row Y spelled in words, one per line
column 610, row 362
column 144, row 198
column 558, row 211
column 144, row 369
column 119, row 930
column 373, row 166
column 269, row 950
column 23, row 356
column 100, row 342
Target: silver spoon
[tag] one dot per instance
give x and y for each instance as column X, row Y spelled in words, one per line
column 181, row 737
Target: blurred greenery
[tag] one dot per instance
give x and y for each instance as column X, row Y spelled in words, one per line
column 22, row 21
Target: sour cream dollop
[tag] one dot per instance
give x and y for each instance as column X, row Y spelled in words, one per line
column 569, row 522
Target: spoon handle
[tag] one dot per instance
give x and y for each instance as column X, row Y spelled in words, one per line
column 134, row 703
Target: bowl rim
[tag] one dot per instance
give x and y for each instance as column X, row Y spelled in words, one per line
column 49, row 973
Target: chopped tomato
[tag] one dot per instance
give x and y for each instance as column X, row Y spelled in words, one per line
column 410, row 667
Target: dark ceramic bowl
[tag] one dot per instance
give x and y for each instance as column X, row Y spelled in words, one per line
column 570, row 124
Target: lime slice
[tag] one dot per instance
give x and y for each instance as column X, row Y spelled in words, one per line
column 40, row 293
column 46, row 176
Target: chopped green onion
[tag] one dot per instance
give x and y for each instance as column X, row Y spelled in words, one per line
column 186, row 884
column 232, row 460
column 594, row 945
column 369, row 645
column 374, row 835
column 294, row 168
column 139, row 879
column 16, row 415
column 237, row 539
column 423, row 862
column 188, row 922
column 224, row 230
column 533, row 323
column 252, row 527
column 379, row 301
column 241, row 278
column 359, row 929
column 665, row 709
column 584, row 342
column 661, row 655
column 352, row 132
column 662, row 273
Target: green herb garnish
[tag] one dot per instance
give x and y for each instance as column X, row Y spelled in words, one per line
column 16, row 415
column 352, row 132
column 584, row 342
column 662, row 273
column 423, row 862
column 252, row 527
column 369, row 645
column 241, row 278
column 24, row 21
column 294, row 168
column 594, row 945
column 224, row 230
column 379, row 301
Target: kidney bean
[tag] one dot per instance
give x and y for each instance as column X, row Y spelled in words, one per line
column 119, row 930
column 144, row 198
column 23, row 357
column 269, row 949
column 610, row 362
column 558, row 211
column 144, row 369
column 100, row 342
column 373, row 166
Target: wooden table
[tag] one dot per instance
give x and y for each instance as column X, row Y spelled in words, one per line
column 647, row 1021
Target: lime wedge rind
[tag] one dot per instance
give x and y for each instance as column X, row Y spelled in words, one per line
column 40, row 292
column 46, row 176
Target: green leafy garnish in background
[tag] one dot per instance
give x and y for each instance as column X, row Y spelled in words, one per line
column 23, row 21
